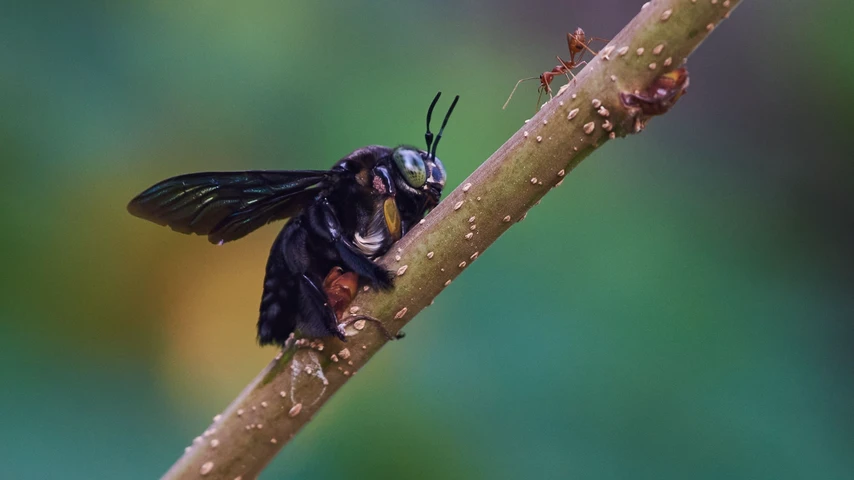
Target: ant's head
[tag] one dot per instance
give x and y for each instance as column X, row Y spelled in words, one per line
column 545, row 80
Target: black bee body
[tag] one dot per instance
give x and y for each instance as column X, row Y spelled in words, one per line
column 354, row 220
column 343, row 219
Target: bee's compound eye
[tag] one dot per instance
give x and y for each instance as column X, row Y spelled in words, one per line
column 437, row 173
column 411, row 165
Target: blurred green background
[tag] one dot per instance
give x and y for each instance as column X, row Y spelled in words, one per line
column 687, row 314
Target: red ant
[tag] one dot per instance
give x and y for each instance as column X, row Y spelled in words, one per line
column 577, row 43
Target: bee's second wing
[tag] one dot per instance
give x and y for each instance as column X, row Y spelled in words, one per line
column 226, row 205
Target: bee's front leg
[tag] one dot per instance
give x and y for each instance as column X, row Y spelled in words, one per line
column 324, row 223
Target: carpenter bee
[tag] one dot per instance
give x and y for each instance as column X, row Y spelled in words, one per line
column 341, row 220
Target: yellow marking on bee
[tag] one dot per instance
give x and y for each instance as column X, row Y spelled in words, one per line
column 392, row 218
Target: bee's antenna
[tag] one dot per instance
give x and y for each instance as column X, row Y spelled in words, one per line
column 429, row 135
column 444, row 122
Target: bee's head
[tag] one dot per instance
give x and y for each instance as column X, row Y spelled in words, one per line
column 435, row 170
column 421, row 170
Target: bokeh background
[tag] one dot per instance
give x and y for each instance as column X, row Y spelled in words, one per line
column 680, row 308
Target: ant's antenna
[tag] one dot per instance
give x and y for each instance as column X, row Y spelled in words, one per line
column 429, row 135
column 432, row 155
column 514, row 90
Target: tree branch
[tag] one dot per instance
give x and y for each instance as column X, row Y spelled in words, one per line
column 634, row 77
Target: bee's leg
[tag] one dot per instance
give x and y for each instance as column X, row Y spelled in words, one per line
column 293, row 297
column 362, row 265
column 351, row 320
column 324, row 223
column 318, row 318
column 278, row 312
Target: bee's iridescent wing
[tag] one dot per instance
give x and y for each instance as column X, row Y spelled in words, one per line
column 226, row 206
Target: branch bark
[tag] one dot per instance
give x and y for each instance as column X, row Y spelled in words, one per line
column 634, row 77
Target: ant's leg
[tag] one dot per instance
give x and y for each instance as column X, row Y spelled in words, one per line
column 585, row 45
column 599, row 39
column 567, row 69
column 539, row 96
column 351, row 320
